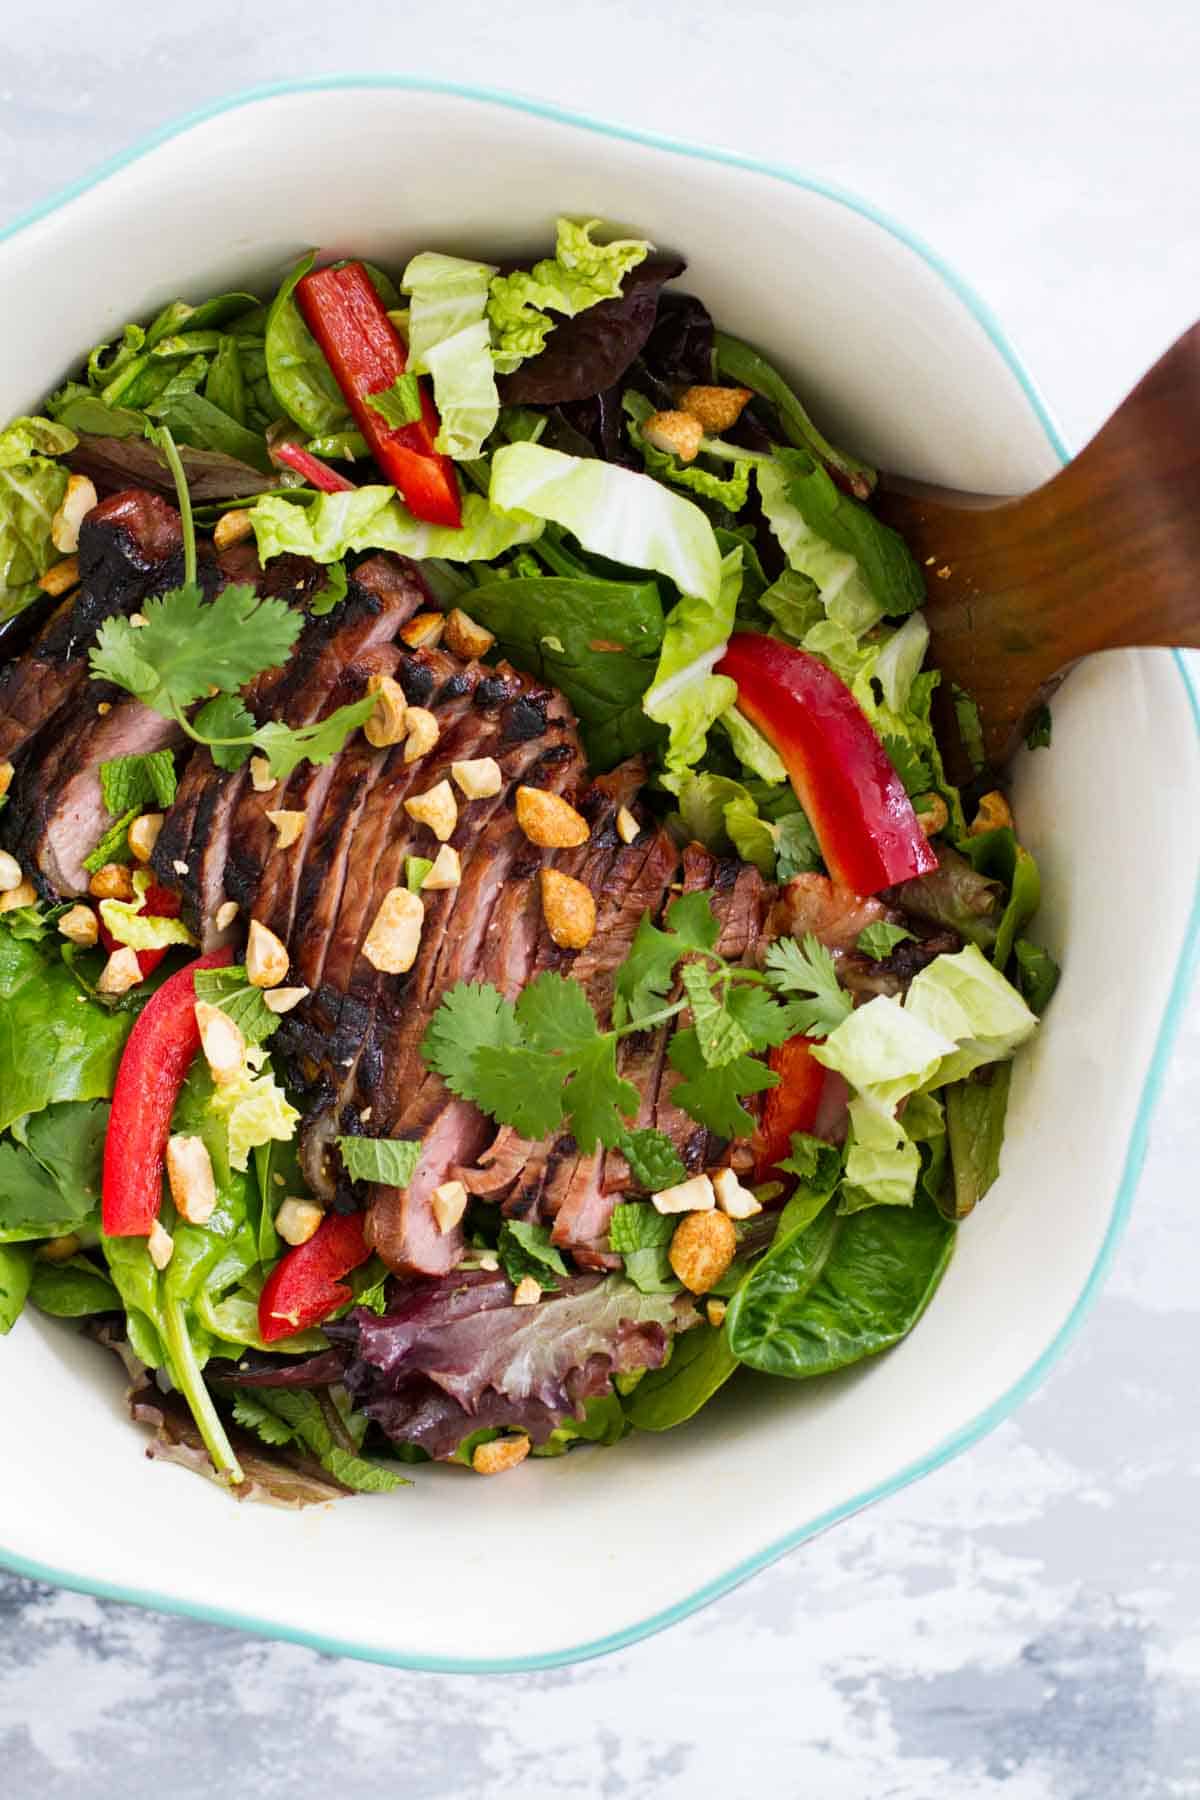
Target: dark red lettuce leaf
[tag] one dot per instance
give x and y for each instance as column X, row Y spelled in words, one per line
column 588, row 353
column 679, row 349
column 114, row 463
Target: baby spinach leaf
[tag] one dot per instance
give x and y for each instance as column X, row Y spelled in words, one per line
column 54, row 1043
column 16, row 1273
column 701, row 1362
column 301, row 379
column 73, row 1289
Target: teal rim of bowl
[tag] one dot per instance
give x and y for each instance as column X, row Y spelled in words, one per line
column 1189, row 958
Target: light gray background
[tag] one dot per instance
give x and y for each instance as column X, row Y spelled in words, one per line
column 1024, row 1625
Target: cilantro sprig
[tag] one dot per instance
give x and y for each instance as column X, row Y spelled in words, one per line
column 189, row 645
column 809, row 970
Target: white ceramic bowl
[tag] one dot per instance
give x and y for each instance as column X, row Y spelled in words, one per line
column 567, row 1558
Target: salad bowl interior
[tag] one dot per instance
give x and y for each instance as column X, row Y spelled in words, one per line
column 895, row 359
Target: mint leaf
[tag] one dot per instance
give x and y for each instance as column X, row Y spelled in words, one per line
column 400, row 404
column 132, row 783
column 333, row 592
column 391, row 1161
column 653, row 1160
column 713, row 1096
column 636, row 1225
column 525, row 1249
column 230, row 989
column 816, row 1163
column 880, row 939
column 808, row 970
column 114, row 845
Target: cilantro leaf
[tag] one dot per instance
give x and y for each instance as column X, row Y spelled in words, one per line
column 554, row 1014
column 712, row 1096
column 333, row 592
column 653, row 1160
column 525, row 1249
column 471, row 1016
column 226, row 717
column 389, row 1160
column 520, row 1087
column 287, row 746
column 645, row 977
column 596, row 1096
column 229, row 989
column 796, row 849
column 189, row 645
column 817, row 1163
column 398, row 405
column 765, row 1020
column 114, row 845
column 808, row 970
column 909, row 765
column 129, row 782
column 718, row 1033
column 880, row 939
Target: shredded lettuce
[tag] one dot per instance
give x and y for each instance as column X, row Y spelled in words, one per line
column 752, row 749
column 885, row 1051
column 578, row 275
column 966, row 998
column 685, row 695
column 255, row 1109
column 449, row 338
column 372, row 518
column 130, row 924
column 847, row 599
column 31, row 490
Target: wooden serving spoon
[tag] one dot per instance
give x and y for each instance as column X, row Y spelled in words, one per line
column 1106, row 554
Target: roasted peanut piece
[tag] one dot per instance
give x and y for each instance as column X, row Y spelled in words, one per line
column 79, row 926
column 121, row 972
column 446, row 871
column 226, row 913
column 716, row 1310
column 499, row 1455
column 717, row 408
column 702, row 1249
column 465, row 637
column 733, row 1199
column 436, row 808
column 677, row 432
column 694, row 1195
column 424, row 630
column 449, row 1203
column 11, row 874
column 423, row 733
column 77, row 503
column 266, row 957
column 191, row 1180
column 478, row 779
column 392, row 943
column 59, row 1249
column 282, row 1000
column 550, row 821
column 297, row 1220
column 993, row 815
column 24, row 894
column 627, row 826
column 569, row 910
column 261, row 778
column 179, row 866
column 288, row 826
column 222, row 1042
column 233, row 527
column 143, row 835
column 6, row 775
column 161, row 1245
column 527, row 1292
column 112, row 882
column 388, row 723
column 63, row 576
column 932, row 814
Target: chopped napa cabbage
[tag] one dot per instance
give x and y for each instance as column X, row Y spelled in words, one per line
column 844, row 592
column 885, row 1052
column 139, row 930
column 685, row 695
column 449, row 338
column 372, row 518
column 578, row 275
column 752, row 749
column 255, row 1109
column 966, row 998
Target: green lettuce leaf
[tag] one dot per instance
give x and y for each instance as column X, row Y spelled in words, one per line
column 449, row 338
column 255, row 1110
column 16, row 1273
column 129, row 924
column 738, row 362
column 54, row 1044
column 31, row 491
column 372, row 518
column 686, row 696
column 885, row 562
column 730, row 491
column 842, row 585
column 965, row 998
column 580, row 273
column 886, row 1051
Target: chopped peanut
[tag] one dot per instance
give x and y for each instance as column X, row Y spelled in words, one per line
column 288, row 826
column 11, row 873
column 161, row 1245
column 6, row 774
column 233, row 527
column 423, row 733
column 569, row 909
column 77, row 503
column 674, row 431
column 297, row 1220
column 79, row 926
column 627, row 826
column 465, row 637
column 527, row 1292
column 387, row 724
column 994, row 813
column 392, row 943
column 436, row 808
column 266, row 957
column 261, row 778
column 191, row 1179
column 696, row 1195
column 500, row 1454
column 282, row 1000
column 179, row 866
column 449, row 1203
column 143, row 835
column 550, row 821
column 446, row 871
column 717, row 408
column 104, row 708
column 61, row 577
column 222, row 1042
column 59, row 1249
column 716, row 1310
column 932, row 814
column 137, row 620
column 480, row 778
column 424, row 631
column 702, row 1249
column 733, row 1199
column 24, row 894
column 121, row 972
column 113, row 882
column 226, row 913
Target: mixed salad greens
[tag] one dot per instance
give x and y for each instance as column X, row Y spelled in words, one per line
column 639, row 510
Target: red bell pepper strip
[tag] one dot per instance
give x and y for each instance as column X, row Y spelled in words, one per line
column 156, row 1058
column 843, row 777
column 315, row 472
column 366, row 354
column 792, row 1106
column 159, row 903
column 306, row 1284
